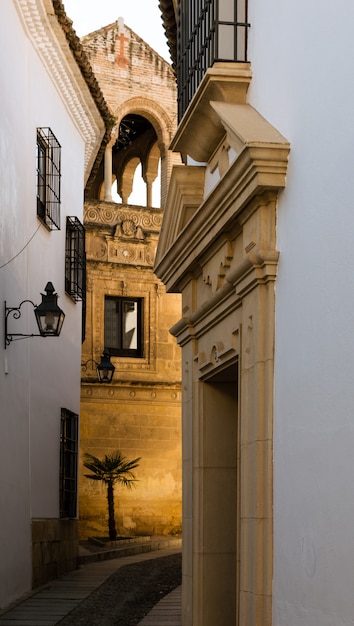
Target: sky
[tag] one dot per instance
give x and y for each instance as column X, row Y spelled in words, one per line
column 142, row 16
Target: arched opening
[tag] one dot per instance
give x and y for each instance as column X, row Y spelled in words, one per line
column 138, row 193
column 135, row 162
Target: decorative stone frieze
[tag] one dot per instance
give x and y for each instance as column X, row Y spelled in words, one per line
column 124, row 235
column 117, row 214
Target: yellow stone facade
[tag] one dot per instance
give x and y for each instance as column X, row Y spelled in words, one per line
column 139, row 413
column 218, row 249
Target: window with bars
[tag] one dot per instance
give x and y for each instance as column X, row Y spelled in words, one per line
column 48, row 166
column 208, row 31
column 123, row 326
column 75, row 259
column 68, row 463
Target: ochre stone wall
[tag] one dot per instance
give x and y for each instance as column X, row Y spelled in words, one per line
column 55, row 547
column 140, row 420
column 139, row 413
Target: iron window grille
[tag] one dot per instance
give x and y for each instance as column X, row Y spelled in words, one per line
column 68, row 463
column 48, row 178
column 123, row 326
column 208, row 31
column 75, row 259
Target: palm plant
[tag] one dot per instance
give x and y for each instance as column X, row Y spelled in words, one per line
column 113, row 468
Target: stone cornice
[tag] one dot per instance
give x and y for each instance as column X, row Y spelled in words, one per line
column 135, row 392
column 55, row 41
column 260, row 166
column 201, row 129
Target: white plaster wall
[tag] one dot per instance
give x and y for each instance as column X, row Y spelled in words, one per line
column 38, row 376
column 61, row 379
column 302, row 58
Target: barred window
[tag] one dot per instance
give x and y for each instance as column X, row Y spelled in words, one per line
column 68, row 463
column 123, row 326
column 75, row 259
column 209, row 31
column 48, row 178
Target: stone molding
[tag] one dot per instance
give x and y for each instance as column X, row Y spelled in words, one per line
column 156, row 114
column 224, row 82
column 136, row 392
column 259, row 167
column 49, row 40
column 185, row 194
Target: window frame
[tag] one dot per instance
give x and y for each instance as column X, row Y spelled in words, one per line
column 75, row 259
column 118, row 349
column 48, row 178
column 68, row 471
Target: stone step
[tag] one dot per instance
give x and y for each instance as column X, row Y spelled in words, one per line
column 128, row 548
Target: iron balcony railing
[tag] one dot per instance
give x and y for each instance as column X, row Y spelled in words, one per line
column 208, row 31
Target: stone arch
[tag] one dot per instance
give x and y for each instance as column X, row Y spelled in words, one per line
column 135, row 140
column 149, row 150
column 163, row 127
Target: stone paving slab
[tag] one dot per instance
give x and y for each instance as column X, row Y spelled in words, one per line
column 168, row 612
column 49, row 605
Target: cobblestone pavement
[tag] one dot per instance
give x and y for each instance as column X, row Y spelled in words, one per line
column 124, row 591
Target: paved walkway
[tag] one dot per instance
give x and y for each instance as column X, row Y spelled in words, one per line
column 168, row 612
column 48, row 605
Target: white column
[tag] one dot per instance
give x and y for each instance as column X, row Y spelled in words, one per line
column 108, row 173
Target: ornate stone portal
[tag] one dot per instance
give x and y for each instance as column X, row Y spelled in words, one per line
column 218, row 248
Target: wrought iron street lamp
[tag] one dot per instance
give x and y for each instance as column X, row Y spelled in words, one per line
column 49, row 317
column 105, row 369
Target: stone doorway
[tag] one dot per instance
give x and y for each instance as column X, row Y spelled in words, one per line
column 218, row 499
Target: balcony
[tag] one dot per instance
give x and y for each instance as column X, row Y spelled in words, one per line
column 208, row 31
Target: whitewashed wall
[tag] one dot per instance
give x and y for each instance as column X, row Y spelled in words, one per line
column 302, row 56
column 39, row 375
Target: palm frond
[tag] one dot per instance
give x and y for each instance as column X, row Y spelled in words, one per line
column 93, row 477
column 114, row 467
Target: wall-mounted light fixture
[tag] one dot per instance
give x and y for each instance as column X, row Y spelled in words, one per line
column 49, row 316
column 105, row 369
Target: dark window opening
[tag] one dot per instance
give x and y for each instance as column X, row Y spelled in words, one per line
column 123, row 326
column 75, row 259
column 75, row 265
column 68, row 463
column 48, row 166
